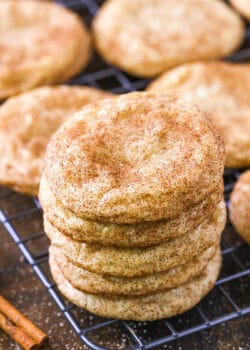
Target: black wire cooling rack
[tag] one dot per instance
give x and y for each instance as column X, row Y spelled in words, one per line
column 22, row 218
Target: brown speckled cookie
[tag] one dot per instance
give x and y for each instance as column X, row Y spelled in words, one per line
column 141, row 234
column 240, row 206
column 222, row 90
column 40, row 43
column 27, row 122
column 98, row 284
column 142, row 156
column 243, row 6
column 125, row 262
column 143, row 308
column 147, row 37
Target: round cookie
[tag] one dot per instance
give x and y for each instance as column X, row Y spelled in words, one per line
column 222, row 90
column 40, row 43
column 98, row 284
column 240, row 206
column 27, row 122
column 125, row 262
column 143, row 308
column 148, row 37
column 243, row 6
column 142, row 156
column 141, row 234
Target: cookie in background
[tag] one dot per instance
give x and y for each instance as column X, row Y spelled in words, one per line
column 222, row 90
column 41, row 43
column 148, row 37
column 240, row 206
column 27, row 122
column 243, row 6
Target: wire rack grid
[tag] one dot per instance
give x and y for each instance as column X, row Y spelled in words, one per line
column 21, row 216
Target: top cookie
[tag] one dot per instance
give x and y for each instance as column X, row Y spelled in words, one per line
column 137, row 157
column 222, row 90
column 27, row 122
column 40, row 43
column 147, row 37
column 243, row 6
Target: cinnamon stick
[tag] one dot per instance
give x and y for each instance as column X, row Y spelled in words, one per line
column 21, row 321
column 17, row 334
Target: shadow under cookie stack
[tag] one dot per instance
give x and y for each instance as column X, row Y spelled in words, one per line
column 132, row 194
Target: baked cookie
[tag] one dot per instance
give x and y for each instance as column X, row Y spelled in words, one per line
column 98, row 284
column 240, row 206
column 40, row 43
column 142, row 156
column 147, row 37
column 243, row 6
column 141, row 234
column 222, row 90
column 27, row 122
column 143, row 308
column 125, row 262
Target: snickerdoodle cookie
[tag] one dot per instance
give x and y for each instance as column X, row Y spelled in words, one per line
column 142, row 156
column 222, row 90
column 147, row 37
column 141, row 164
column 40, row 43
column 243, row 6
column 129, row 262
column 146, row 308
column 240, row 206
column 141, row 234
column 27, row 122
column 100, row 284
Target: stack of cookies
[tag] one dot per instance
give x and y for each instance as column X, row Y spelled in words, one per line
column 132, row 194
